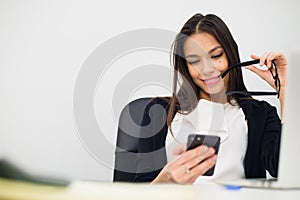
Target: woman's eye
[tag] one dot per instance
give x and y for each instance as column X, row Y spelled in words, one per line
column 217, row 56
column 194, row 62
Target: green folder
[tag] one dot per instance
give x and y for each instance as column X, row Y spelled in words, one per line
column 9, row 170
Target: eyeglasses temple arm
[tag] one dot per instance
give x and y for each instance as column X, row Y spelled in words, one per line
column 250, row 93
column 243, row 64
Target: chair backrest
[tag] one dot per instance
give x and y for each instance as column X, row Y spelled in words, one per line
column 127, row 143
column 128, row 136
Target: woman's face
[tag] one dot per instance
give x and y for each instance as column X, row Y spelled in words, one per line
column 206, row 61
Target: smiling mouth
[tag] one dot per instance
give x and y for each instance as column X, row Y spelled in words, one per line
column 211, row 81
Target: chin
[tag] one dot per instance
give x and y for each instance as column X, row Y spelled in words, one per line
column 213, row 91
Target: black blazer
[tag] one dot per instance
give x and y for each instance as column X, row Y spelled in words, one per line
column 264, row 131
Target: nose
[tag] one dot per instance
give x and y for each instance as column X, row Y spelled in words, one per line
column 208, row 68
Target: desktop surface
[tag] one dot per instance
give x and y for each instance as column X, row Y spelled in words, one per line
column 10, row 189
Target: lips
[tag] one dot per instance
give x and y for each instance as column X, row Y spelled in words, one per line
column 211, row 81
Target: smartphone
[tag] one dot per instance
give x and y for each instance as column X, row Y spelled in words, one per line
column 195, row 140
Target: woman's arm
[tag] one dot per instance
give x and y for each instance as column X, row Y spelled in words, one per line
column 270, row 144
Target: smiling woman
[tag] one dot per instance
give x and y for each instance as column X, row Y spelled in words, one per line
column 249, row 129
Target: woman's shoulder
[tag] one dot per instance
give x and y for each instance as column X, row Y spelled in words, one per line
column 256, row 106
column 255, row 103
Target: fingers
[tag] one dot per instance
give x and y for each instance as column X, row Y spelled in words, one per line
column 254, row 57
column 190, row 175
column 191, row 154
column 268, row 58
column 281, row 63
column 191, row 164
column 204, row 166
column 201, row 157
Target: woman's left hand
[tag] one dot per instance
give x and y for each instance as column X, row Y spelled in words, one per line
column 281, row 63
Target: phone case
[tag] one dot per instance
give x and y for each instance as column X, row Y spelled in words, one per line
column 195, row 140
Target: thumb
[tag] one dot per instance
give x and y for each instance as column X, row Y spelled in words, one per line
column 257, row 71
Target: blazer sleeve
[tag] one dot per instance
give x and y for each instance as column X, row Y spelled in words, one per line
column 270, row 143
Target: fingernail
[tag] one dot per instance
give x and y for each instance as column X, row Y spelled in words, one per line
column 215, row 158
column 204, row 149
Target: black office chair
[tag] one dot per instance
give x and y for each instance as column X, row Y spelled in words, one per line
column 128, row 136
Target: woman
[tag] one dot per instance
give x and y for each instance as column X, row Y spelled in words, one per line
column 202, row 51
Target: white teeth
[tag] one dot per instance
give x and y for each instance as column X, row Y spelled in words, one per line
column 211, row 81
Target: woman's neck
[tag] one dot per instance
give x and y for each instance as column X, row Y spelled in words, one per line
column 217, row 98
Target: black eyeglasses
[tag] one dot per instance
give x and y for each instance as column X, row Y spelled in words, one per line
column 255, row 93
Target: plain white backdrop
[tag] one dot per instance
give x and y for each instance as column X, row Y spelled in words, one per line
column 43, row 45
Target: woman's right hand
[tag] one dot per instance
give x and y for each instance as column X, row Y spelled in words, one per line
column 188, row 166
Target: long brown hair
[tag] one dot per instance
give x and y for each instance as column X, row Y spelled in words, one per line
column 187, row 97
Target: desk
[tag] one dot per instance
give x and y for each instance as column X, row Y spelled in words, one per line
column 101, row 190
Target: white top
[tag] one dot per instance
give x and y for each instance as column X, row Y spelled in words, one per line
column 224, row 120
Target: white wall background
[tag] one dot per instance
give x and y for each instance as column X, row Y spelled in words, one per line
column 44, row 43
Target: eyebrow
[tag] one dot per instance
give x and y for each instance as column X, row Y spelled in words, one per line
column 210, row 51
